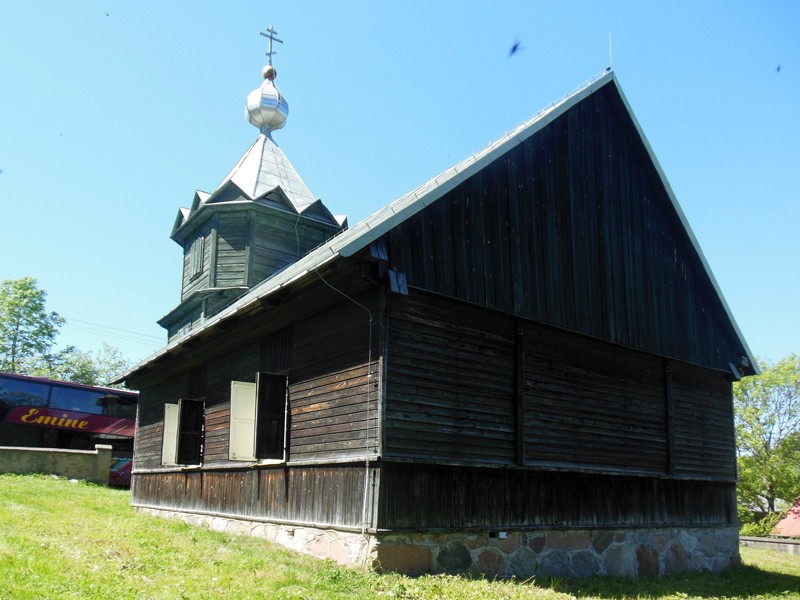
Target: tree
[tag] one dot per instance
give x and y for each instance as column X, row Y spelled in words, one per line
column 68, row 364
column 71, row 364
column 767, row 409
column 110, row 364
column 27, row 336
column 27, row 330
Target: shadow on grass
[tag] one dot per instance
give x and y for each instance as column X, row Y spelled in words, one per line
column 737, row 582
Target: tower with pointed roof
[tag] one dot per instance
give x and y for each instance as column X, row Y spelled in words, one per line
column 259, row 220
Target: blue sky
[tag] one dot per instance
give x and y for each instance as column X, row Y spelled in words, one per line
column 113, row 113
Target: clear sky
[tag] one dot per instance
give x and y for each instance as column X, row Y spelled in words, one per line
column 113, row 113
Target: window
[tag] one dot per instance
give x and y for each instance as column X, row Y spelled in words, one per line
column 196, row 257
column 183, row 433
column 75, row 399
column 23, row 393
column 258, row 418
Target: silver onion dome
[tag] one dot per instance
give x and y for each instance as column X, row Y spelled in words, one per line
column 266, row 108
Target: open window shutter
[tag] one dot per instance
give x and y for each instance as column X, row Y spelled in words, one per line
column 190, row 431
column 272, row 392
column 169, row 448
column 242, row 444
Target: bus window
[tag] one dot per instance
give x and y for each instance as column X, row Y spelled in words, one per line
column 74, row 399
column 14, row 392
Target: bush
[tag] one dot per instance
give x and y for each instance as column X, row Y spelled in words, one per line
column 753, row 526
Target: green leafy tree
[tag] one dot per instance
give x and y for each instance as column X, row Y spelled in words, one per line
column 72, row 364
column 27, row 330
column 110, row 363
column 768, row 435
column 27, row 336
column 68, row 364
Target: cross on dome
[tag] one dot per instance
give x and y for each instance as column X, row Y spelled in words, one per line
column 270, row 35
column 266, row 107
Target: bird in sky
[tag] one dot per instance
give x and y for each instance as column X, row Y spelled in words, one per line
column 514, row 48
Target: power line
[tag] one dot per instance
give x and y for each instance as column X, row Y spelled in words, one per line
column 130, row 331
column 114, row 336
column 113, row 332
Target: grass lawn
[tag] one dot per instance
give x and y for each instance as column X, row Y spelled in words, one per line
column 77, row 540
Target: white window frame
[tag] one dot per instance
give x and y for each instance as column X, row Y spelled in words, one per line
column 244, row 426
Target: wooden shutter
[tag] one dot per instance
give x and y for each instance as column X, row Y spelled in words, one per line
column 242, row 443
column 169, row 446
column 272, row 392
column 190, row 432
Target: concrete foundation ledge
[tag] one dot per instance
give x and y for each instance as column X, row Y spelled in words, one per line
column 787, row 545
column 89, row 465
column 523, row 554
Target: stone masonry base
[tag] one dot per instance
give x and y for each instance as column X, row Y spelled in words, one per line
column 562, row 553
column 523, row 554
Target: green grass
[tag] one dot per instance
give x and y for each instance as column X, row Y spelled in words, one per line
column 65, row 540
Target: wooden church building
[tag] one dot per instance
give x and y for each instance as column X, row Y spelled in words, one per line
column 522, row 366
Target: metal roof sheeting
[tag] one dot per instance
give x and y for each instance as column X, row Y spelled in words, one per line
column 265, row 167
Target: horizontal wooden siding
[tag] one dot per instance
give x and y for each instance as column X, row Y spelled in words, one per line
column 590, row 404
column 449, row 391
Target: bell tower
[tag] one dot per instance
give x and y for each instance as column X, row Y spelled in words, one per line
column 259, row 220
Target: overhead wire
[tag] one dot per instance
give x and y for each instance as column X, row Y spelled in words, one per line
column 112, row 332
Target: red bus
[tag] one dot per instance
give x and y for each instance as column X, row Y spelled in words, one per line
column 36, row 412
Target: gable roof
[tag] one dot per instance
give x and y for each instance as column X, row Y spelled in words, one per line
column 358, row 237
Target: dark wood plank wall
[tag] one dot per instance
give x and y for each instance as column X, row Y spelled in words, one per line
column 241, row 365
column 279, row 237
column 321, row 495
column 703, row 423
column 276, row 351
column 232, row 231
column 334, row 409
column 216, row 433
column 147, row 443
column 590, row 404
column 573, row 228
column 214, row 304
column 325, row 357
column 453, row 378
column 275, row 245
column 150, row 419
column 449, row 392
column 430, row 497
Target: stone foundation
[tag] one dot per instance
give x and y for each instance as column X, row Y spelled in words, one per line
column 343, row 547
column 523, row 554
column 567, row 553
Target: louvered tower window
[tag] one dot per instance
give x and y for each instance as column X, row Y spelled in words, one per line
column 196, row 257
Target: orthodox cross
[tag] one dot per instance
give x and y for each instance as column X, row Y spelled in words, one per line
column 270, row 35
